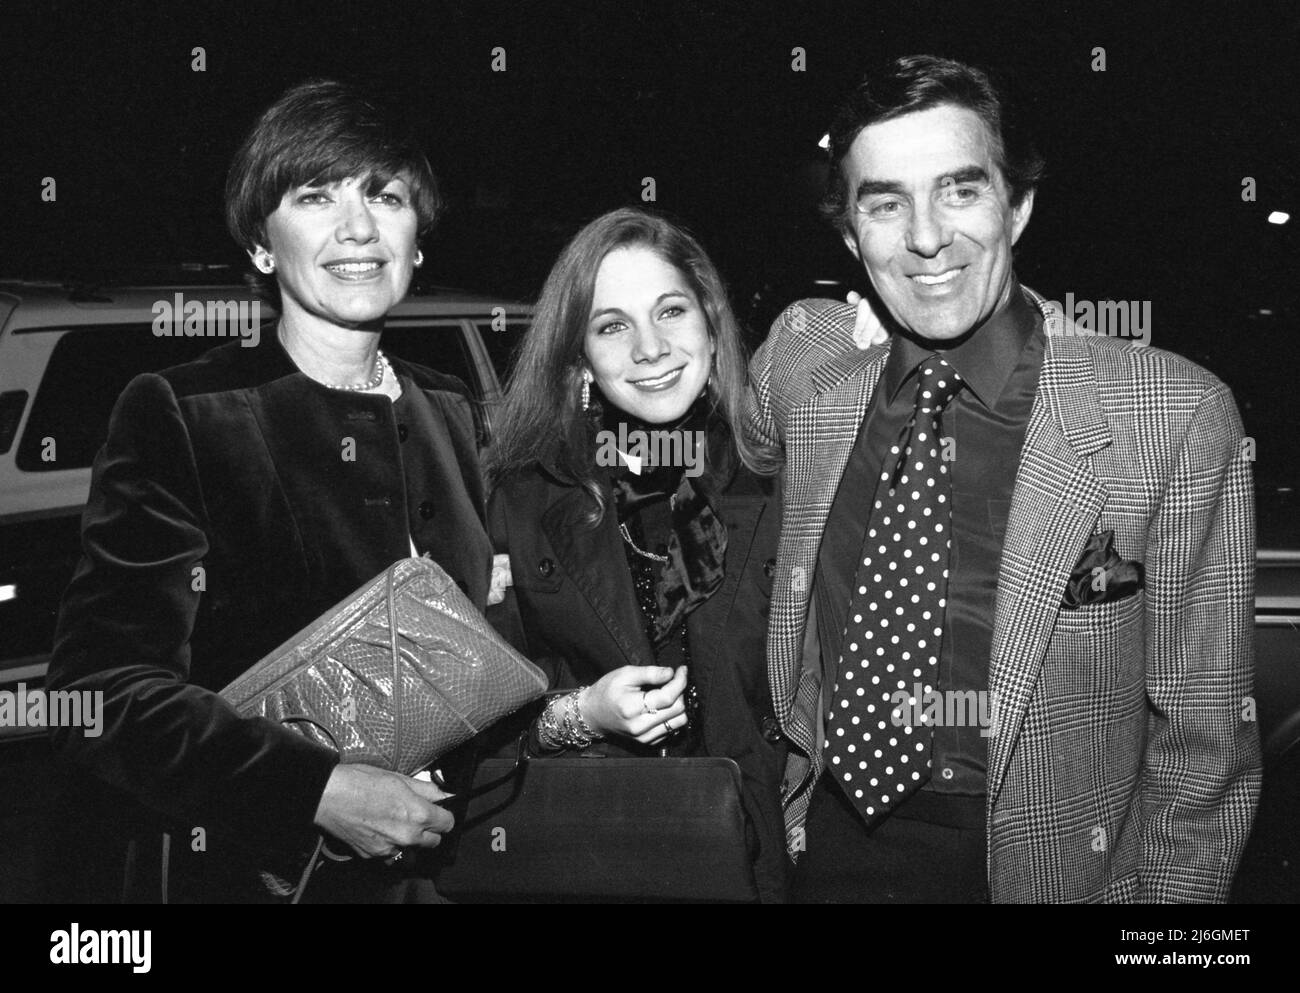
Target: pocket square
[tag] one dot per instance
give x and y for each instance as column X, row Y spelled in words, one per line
column 1102, row 575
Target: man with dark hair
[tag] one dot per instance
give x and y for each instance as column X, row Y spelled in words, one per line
column 1011, row 634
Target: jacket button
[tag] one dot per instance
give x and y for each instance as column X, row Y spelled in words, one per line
column 402, row 432
column 769, row 568
column 546, row 567
column 426, row 509
column 771, row 729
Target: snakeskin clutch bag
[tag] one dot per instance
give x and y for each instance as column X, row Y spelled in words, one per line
column 395, row 676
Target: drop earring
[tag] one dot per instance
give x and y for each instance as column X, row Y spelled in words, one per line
column 586, row 390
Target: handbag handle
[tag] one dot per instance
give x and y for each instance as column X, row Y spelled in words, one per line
column 164, row 867
column 321, row 847
column 395, row 656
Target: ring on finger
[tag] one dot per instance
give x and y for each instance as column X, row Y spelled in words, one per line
column 645, row 703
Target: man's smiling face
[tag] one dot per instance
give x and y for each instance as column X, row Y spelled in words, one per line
column 931, row 219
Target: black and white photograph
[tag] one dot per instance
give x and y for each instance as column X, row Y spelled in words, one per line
column 651, row 454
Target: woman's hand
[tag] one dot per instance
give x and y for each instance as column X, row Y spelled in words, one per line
column 502, row 579
column 643, row 702
column 867, row 328
column 379, row 813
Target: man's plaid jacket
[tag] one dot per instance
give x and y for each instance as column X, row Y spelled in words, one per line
column 1124, row 764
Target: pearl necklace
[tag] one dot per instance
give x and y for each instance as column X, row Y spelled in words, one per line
column 381, row 370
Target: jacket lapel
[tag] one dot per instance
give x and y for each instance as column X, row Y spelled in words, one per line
column 707, row 623
column 592, row 559
column 1055, row 506
column 821, row 429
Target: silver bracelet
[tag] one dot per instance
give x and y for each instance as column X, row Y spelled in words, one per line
column 583, row 726
column 568, row 731
column 549, row 734
column 573, row 736
column 575, row 731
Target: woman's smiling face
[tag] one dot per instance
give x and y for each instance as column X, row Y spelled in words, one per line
column 647, row 343
column 343, row 254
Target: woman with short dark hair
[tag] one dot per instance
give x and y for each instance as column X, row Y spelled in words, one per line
column 322, row 132
column 240, row 496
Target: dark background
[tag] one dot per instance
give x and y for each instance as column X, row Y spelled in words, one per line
column 1142, row 200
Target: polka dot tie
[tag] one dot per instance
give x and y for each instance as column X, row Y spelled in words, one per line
column 895, row 622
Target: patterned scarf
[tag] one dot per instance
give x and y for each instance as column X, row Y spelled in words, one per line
column 697, row 539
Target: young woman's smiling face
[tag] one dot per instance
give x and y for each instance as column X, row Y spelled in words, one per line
column 647, row 344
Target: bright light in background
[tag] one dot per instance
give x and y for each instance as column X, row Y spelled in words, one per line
column 1278, row 217
column 9, row 592
column 825, row 143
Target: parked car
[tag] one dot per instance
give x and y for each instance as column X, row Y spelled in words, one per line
column 66, row 353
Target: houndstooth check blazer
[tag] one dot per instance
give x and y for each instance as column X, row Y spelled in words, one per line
column 1122, row 765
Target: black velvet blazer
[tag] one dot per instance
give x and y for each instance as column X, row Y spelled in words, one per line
column 234, row 502
column 579, row 620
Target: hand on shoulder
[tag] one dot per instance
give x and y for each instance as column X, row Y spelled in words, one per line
column 867, row 327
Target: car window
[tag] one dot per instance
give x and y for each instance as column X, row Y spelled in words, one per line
column 37, row 558
column 503, row 345
column 87, row 371
column 12, row 405
column 440, row 345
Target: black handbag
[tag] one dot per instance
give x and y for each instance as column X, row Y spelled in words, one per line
column 587, row 827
